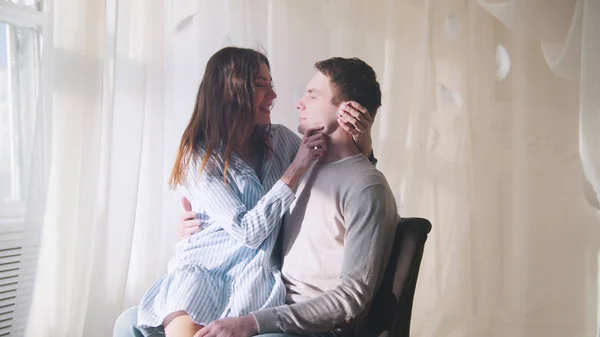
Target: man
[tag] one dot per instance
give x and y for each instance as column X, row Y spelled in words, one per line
column 337, row 236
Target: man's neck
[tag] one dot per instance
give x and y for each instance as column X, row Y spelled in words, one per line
column 339, row 146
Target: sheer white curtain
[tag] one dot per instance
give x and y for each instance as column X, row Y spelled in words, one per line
column 482, row 140
column 567, row 31
column 113, row 142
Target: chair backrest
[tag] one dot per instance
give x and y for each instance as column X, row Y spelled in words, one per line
column 390, row 311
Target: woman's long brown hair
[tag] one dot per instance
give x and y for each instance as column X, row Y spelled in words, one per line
column 223, row 116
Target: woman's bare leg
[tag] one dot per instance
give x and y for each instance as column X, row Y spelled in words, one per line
column 180, row 324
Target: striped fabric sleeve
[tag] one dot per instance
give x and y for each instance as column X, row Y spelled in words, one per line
column 225, row 208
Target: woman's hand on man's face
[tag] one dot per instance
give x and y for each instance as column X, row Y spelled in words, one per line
column 356, row 120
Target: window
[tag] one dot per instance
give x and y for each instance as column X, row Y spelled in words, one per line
column 24, row 109
column 19, row 63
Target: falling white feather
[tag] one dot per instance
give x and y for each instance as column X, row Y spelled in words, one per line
column 502, row 62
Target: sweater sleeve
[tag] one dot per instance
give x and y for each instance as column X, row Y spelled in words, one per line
column 371, row 219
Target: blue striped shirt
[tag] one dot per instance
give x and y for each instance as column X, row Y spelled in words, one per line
column 224, row 270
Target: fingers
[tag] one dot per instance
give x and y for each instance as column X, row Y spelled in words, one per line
column 188, row 215
column 355, row 108
column 191, row 227
column 349, row 127
column 202, row 332
column 319, row 142
column 208, row 331
column 317, row 153
column 352, row 123
column 355, row 119
column 314, row 142
column 312, row 130
column 354, row 115
column 317, row 139
column 185, row 203
column 191, row 223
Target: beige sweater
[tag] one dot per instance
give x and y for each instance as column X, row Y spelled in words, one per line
column 336, row 239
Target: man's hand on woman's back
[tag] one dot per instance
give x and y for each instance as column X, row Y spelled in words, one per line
column 188, row 225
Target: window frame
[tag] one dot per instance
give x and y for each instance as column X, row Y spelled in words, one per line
column 19, row 251
column 12, row 213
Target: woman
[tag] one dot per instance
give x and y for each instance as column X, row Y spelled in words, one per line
column 242, row 171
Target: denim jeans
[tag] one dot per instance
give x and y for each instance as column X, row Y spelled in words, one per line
column 125, row 326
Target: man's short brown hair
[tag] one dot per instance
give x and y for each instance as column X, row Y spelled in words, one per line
column 352, row 79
